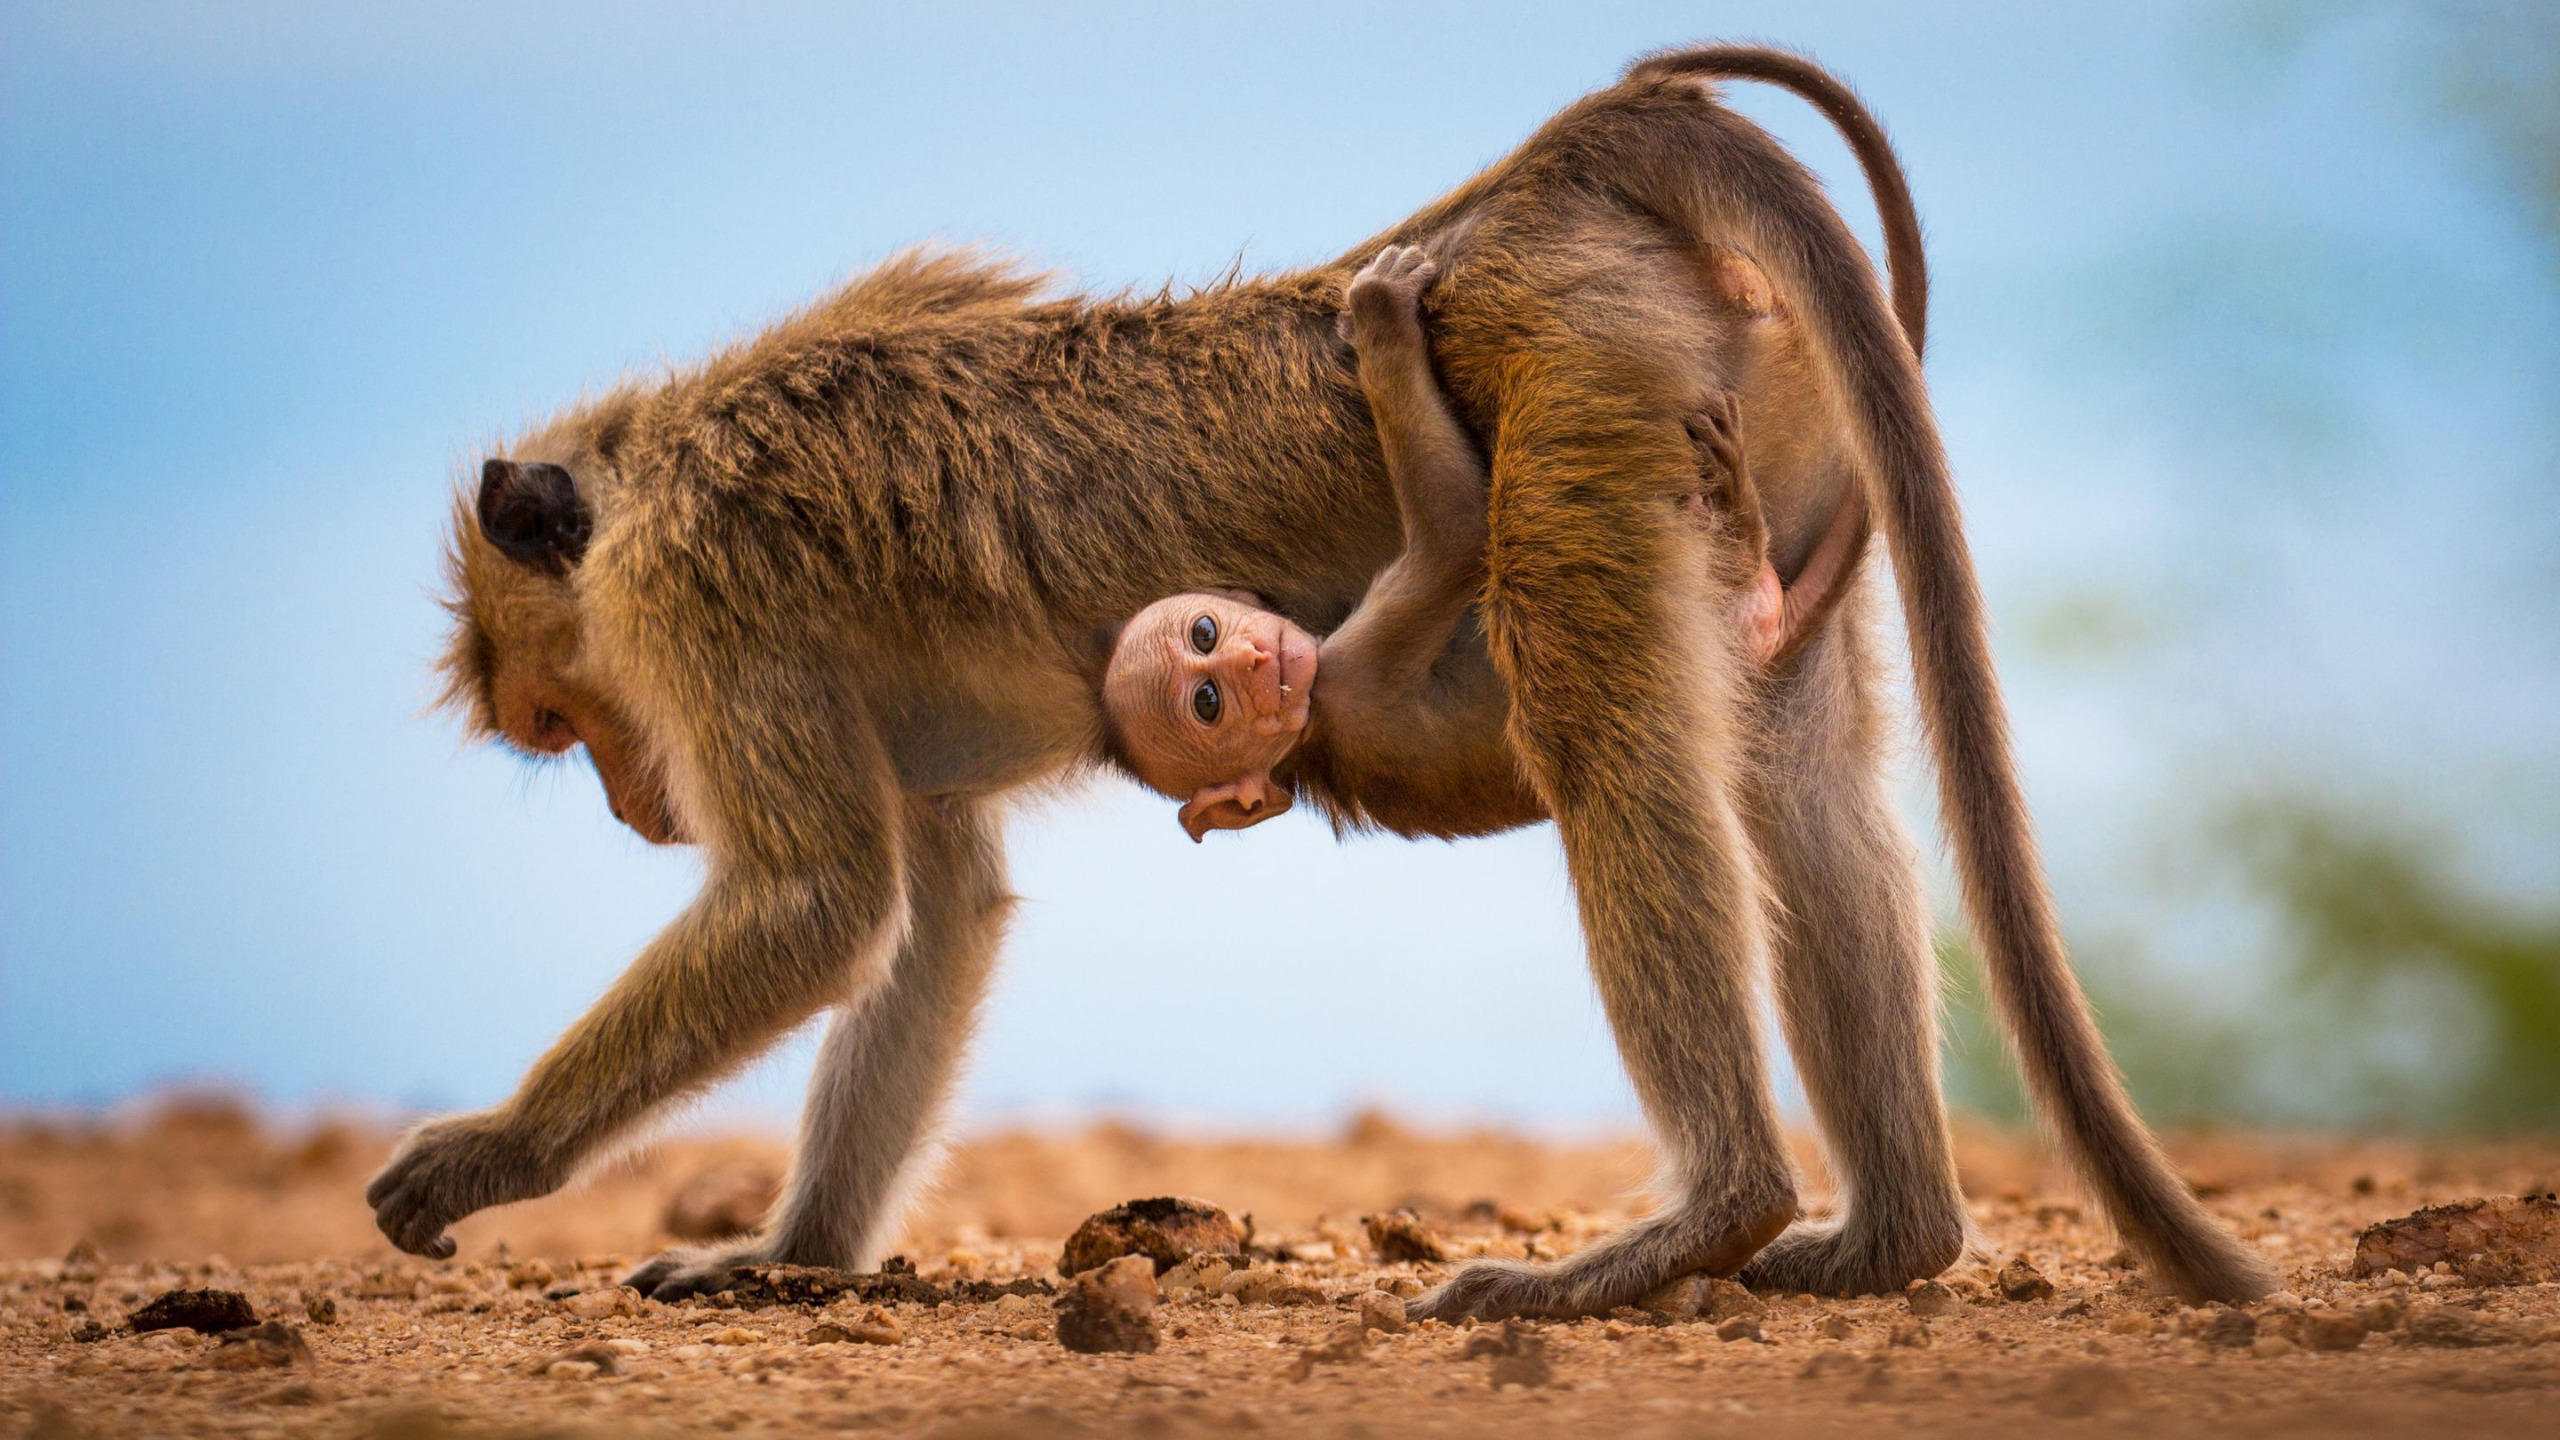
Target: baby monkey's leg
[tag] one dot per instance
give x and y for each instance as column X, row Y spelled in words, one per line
column 1726, row 475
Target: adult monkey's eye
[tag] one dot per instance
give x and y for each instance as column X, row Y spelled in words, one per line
column 1204, row 635
column 1205, row 702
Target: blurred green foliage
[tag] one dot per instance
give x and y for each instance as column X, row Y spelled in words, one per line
column 2402, row 993
column 2357, row 971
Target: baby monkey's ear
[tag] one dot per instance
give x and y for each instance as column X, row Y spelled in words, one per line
column 1234, row 805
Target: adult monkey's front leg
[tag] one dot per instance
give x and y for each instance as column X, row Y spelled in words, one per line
column 796, row 803
column 885, row 1069
column 1624, row 715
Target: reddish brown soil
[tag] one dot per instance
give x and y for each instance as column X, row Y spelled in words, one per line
column 204, row 1197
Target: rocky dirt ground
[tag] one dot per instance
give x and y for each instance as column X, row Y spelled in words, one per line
column 524, row 1333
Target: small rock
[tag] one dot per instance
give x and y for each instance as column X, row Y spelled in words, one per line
column 1019, row 1307
column 2501, row 1240
column 2451, row 1329
column 2021, row 1281
column 723, row 1201
column 1167, row 1230
column 531, row 1275
column 736, row 1335
column 2220, row 1326
column 1834, row 1326
column 1382, row 1311
column 1740, row 1327
column 1726, row 1299
column 874, row 1326
column 1928, row 1298
column 2270, row 1347
column 603, row 1304
column 320, row 1309
column 1110, row 1308
column 207, row 1312
column 1519, row 1356
column 1403, row 1287
column 580, row 1362
column 2132, row 1322
column 1400, row 1237
column 1681, row 1299
column 2383, row 1314
column 1910, row 1333
column 89, row 1332
column 2332, row 1330
column 272, row 1346
column 1201, row 1274
column 2078, row 1391
column 84, row 1261
column 1269, row 1287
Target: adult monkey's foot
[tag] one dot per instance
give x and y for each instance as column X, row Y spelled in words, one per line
column 1829, row 1258
column 687, row 1270
column 1618, row 1269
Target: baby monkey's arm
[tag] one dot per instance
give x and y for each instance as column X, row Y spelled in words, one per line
column 1375, row 676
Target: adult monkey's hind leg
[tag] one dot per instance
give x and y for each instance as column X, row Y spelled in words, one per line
column 1624, row 712
column 1856, row 980
column 885, row 1069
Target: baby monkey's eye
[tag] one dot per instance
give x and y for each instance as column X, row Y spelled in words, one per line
column 1205, row 702
column 1204, row 637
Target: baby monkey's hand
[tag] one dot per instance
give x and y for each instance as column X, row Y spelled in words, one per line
column 1386, row 298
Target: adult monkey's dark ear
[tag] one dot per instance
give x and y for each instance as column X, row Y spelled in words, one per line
column 532, row 513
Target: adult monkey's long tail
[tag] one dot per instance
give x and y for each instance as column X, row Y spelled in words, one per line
column 1710, row 172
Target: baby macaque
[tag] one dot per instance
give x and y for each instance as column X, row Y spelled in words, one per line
column 1209, row 695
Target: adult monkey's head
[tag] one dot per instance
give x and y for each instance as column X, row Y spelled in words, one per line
column 518, row 664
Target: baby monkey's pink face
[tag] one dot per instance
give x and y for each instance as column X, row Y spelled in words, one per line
column 1207, row 693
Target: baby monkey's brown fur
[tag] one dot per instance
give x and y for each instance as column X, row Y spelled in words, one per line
column 820, row 604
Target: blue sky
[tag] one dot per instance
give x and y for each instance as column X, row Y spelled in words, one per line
column 2242, row 349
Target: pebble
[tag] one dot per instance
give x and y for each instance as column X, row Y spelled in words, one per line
column 1740, row 1327
column 1835, row 1326
column 1928, row 1298
column 1199, row 1275
column 874, row 1326
column 1726, row 1299
column 1910, row 1333
column 207, row 1312
column 1400, row 1237
column 2021, row 1281
column 1519, row 1356
column 1110, row 1308
column 1382, row 1311
column 2131, row 1323
column 603, row 1304
column 736, row 1335
column 2332, row 1330
column 1269, row 1287
column 1167, row 1230
column 271, row 1346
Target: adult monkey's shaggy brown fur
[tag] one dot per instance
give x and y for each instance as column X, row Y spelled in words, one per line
column 821, row 603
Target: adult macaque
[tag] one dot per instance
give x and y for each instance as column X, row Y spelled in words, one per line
column 822, row 603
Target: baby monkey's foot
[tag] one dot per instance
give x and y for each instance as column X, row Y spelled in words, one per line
column 1715, row 427
column 1386, row 297
column 1764, row 615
